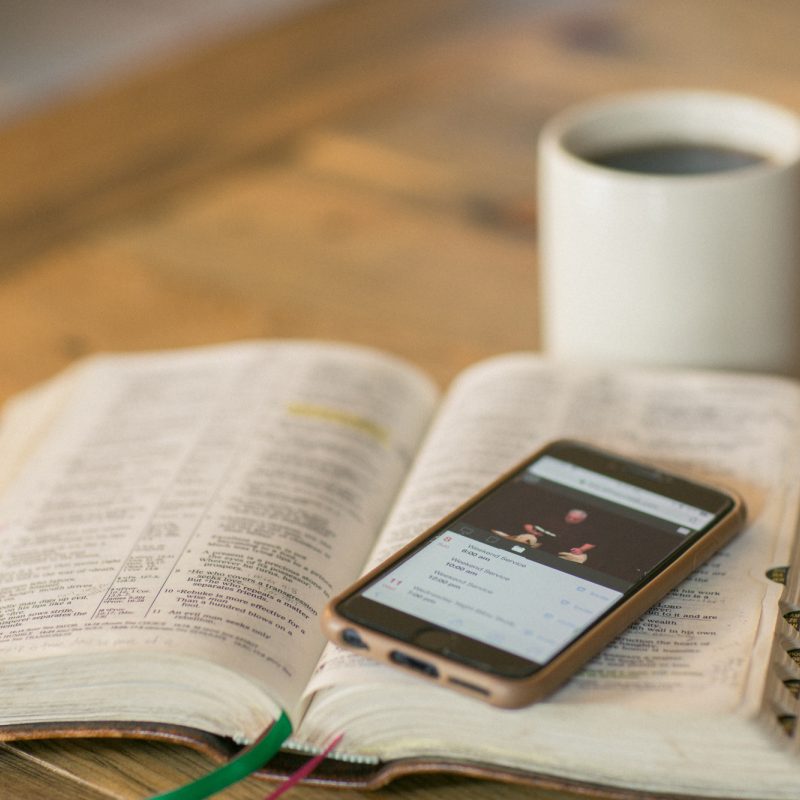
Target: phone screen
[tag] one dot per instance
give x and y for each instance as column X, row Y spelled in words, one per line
column 535, row 562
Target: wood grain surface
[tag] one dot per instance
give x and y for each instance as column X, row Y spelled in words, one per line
column 364, row 172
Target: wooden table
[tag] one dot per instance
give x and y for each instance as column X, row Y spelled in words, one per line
column 362, row 172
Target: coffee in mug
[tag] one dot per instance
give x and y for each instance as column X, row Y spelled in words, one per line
column 677, row 158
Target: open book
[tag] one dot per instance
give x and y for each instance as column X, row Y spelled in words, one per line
column 173, row 524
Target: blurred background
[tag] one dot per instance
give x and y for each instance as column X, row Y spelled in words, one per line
column 186, row 171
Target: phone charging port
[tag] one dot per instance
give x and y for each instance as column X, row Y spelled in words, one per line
column 414, row 663
column 352, row 638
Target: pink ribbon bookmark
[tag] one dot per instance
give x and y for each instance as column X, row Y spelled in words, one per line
column 304, row 771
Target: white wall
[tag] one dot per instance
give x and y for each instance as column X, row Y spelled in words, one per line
column 49, row 48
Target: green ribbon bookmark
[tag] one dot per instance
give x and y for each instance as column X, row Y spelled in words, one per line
column 247, row 762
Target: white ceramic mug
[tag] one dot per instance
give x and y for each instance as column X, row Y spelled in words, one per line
column 696, row 269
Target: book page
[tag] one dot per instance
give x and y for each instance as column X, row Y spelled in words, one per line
column 706, row 643
column 205, row 502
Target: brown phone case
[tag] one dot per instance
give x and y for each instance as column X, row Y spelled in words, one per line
column 509, row 692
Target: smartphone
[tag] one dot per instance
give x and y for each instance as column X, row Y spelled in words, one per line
column 512, row 592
